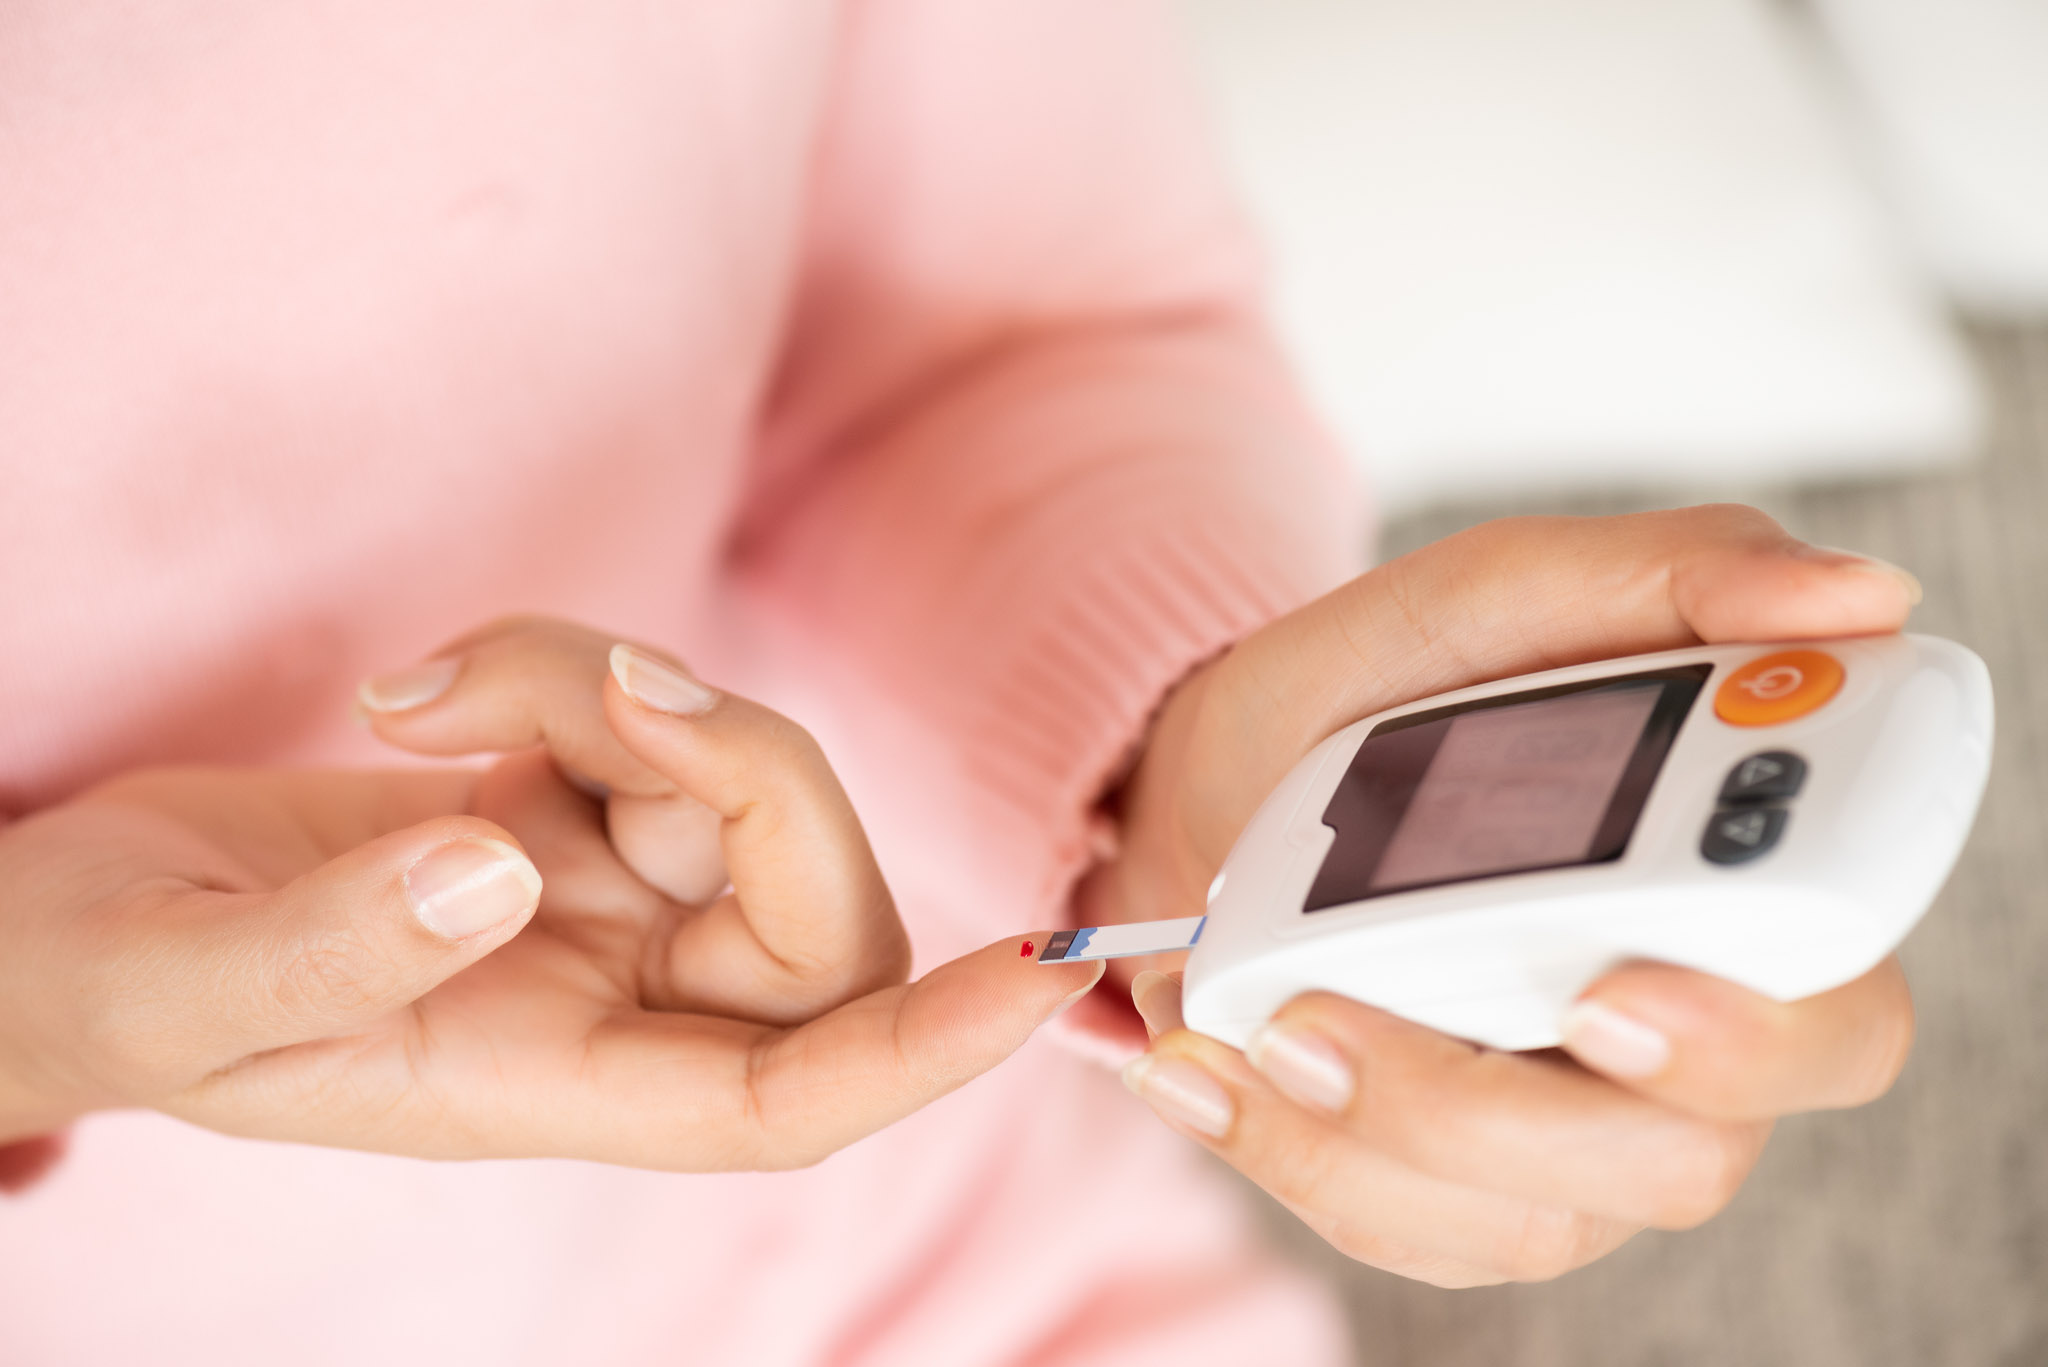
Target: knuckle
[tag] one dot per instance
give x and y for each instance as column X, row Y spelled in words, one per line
column 520, row 624
column 1885, row 1048
column 533, row 655
column 126, row 1026
column 1709, row 524
column 1550, row 1242
column 115, row 1039
column 1419, row 1096
column 1403, row 1260
column 791, row 744
column 768, row 1135
column 1729, row 519
column 331, row 973
column 1307, row 1172
column 1708, row 1165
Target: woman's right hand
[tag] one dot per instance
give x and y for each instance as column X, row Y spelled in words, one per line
column 373, row 961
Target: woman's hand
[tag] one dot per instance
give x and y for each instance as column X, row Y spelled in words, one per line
column 1422, row 1154
column 372, row 961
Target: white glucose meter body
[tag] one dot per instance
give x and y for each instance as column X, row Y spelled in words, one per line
column 1777, row 815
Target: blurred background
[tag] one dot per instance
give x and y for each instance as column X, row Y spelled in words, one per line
column 1598, row 255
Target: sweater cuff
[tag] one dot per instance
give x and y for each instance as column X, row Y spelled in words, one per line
column 1130, row 631
column 1054, row 731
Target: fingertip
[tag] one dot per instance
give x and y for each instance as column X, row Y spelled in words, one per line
column 1787, row 589
column 1896, row 577
column 1051, row 987
column 1613, row 1042
column 1081, row 989
column 472, row 885
column 1079, row 980
column 1183, row 1093
column 1157, row 997
column 401, row 854
column 659, row 685
column 1737, row 1054
column 676, row 725
column 408, row 689
column 1680, row 1002
column 1676, row 1033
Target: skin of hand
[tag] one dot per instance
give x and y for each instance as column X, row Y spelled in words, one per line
column 1422, row 1154
column 460, row 964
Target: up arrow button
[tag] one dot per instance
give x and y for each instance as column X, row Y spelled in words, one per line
column 1773, row 776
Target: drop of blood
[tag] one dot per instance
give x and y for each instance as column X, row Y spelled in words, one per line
column 1025, row 952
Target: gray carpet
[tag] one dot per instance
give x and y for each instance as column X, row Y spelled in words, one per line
column 1914, row 1231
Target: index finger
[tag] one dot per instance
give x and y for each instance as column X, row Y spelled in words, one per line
column 700, row 1094
column 807, row 893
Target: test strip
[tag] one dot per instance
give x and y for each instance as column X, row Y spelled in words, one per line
column 1117, row 942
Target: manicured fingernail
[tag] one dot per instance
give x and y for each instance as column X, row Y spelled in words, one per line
column 1304, row 1065
column 404, row 689
column 1614, row 1043
column 1856, row 560
column 1180, row 1091
column 658, row 685
column 1157, row 997
column 467, row 886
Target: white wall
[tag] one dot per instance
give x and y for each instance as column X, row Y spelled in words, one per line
column 1541, row 243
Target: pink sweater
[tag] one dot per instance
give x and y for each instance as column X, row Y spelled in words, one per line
column 896, row 360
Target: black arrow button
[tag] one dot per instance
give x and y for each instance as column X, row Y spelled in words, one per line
column 1772, row 776
column 1735, row 837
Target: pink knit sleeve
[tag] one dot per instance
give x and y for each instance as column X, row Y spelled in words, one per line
column 1032, row 454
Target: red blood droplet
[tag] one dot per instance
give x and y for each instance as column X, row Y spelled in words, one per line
column 1025, row 952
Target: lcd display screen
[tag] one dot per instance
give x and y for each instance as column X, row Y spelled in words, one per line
column 1539, row 780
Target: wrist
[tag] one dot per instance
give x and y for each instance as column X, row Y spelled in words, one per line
column 1155, row 870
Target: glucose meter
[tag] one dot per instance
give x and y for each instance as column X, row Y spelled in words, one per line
column 1777, row 815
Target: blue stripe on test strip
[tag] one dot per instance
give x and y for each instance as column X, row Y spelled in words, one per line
column 1117, row 942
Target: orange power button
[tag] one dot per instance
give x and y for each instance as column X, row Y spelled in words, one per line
column 1778, row 688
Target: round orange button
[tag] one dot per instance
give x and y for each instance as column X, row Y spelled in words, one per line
column 1778, row 688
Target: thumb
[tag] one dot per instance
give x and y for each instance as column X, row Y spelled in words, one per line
column 360, row 936
column 1527, row 594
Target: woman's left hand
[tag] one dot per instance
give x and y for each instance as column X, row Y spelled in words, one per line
column 1415, row 1152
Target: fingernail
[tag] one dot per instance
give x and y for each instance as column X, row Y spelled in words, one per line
column 1067, row 1002
column 1155, row 995
column 403, row 689
column 467, row 886
column 655, row 684
column 1304, row 1065
column 1181, row 1091
column 1856, row 560
column 1614, row 1043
